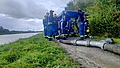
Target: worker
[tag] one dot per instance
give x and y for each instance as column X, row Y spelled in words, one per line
column 70, row 27
column 76, row 25
column 64, row 26
column 55, row 27
column 45, row 26
column 50, row 25
column 46, row 30
column 86, row 28
column 63, row 13
column 59, row 28
column 81, row 24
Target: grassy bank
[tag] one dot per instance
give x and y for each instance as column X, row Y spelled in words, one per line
column 34, row 52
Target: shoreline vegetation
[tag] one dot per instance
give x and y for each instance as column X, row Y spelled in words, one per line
column 35, row 52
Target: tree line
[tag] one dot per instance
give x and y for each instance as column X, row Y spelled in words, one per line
column 104, row 19
column 6, row 31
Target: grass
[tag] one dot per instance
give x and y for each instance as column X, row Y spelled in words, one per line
column 34, row 52
column 116, row 40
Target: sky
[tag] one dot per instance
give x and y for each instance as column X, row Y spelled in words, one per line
column 24, row 15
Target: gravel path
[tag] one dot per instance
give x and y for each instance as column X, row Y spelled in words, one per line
column 91, row 57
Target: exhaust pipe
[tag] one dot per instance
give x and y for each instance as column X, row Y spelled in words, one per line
column 103, row 45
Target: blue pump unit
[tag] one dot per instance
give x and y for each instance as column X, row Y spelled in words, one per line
column 52, row 23
column 69, row 14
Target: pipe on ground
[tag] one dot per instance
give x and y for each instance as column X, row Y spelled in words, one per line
column 109, row 47
column 112, row 48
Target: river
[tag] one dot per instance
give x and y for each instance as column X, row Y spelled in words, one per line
column 5, row 39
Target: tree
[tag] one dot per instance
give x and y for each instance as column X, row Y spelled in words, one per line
column 104, row 17
column 76, row 4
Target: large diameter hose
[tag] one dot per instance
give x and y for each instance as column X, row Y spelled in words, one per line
column 83, row 43
column 102, row 45
column 112, row 48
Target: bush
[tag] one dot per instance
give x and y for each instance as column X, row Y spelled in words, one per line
column 104, row 19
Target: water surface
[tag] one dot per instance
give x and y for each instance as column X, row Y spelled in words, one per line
column 5, row 39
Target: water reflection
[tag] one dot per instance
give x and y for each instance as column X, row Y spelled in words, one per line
column 5, row 39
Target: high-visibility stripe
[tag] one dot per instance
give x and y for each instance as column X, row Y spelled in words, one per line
column 64, row 34
column 45, row 36
column 85, row 35
column 49, row 37
column 81, row 35
column 49, row 22
column 70, row 34
column 57, row 36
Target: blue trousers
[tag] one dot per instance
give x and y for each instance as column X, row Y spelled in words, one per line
column 81, row 29
column 45, row 31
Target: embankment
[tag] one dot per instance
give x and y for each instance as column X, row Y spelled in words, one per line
column 35, row 52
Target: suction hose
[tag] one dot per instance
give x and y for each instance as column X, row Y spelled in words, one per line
column 109, row 47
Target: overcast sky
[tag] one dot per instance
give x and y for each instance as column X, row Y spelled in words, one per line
column 27, row 14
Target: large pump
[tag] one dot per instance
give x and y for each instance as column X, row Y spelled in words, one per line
column 71, row 17
column 69, row 14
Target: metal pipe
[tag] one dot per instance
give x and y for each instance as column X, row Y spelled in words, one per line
column 102, row 45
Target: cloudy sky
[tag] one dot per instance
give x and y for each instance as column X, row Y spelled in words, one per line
column 27, row 14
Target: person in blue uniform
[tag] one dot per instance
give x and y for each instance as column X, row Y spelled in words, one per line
column 55, row 27
column 81, row 24
column 64, row 26
column 45, row 26
column 85, row 26
column 50, row 26
column 71, row 27
column 59, row 28
column 46, row 29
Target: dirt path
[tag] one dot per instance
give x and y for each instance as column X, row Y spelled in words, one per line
column 92, row 57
